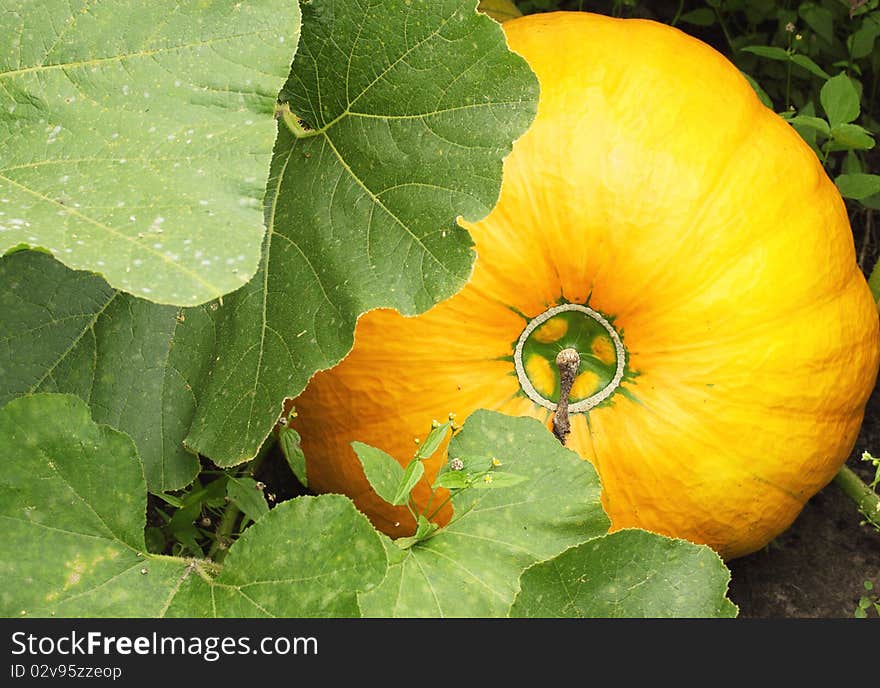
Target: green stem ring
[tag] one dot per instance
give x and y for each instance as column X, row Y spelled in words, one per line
column 582, row 405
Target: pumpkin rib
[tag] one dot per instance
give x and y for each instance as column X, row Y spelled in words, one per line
column 743, row 127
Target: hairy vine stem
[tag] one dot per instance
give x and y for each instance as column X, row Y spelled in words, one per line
column 567, row 361
column 223, row 535
column 865, row 498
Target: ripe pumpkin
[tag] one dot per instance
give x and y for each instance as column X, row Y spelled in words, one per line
column 685, row 240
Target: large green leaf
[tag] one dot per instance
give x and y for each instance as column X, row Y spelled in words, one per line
column 73, row 502
column 139, row 365
column 73, row 509
column 630, row 573
column 410, row 109
column 135, row 137
column 472, row 566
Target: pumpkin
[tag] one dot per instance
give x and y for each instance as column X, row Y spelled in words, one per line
column 687, row 243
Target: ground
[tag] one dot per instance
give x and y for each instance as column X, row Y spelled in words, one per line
column 818, row 566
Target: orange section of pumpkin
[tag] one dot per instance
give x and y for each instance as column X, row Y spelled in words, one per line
column 654, row 184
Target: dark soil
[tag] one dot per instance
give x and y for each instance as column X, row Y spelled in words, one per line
column 816, row 568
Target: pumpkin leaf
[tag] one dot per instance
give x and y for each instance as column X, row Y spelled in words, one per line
column 73, row 504
column 413, row 473
column 630, row 573
column 840, row 100
column 73, row 501
column 382, row 471
column 69, row 331
column 858, row 186
column 471, row 567
column 142, row 154
column 308, row 557
column 409, row 109
column 247, row 496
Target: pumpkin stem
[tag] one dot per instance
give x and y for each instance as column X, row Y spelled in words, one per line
column 567, row 361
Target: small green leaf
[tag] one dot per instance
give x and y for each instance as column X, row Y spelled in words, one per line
column 403, row 543
column 864, row 603
column 424, row 528
column 815, row 123
column 474, row 463
column 497, row 479
column 182, row 525
column 629, row 573
column 499, row 10
column 809, row 65
column 850, row 137
column 771, row 52
column 433, row 441
column 818, row 18
column 413, row 473
column 247, row 496
column 215, row 492
column 851, row 164
column 289, row 440
column 760, row 92
column 858, row 186
column 170, row 499
column 860, row 613
column 847, row 65
column 868, row 585
column 840, row 100
column 701, row 16
column 861, row 43
column 383, row 472
column 452, row 480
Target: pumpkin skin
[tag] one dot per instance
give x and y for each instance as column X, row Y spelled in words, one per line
column 656, row 188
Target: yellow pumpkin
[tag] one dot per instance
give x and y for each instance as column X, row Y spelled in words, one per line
column 685, row 240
